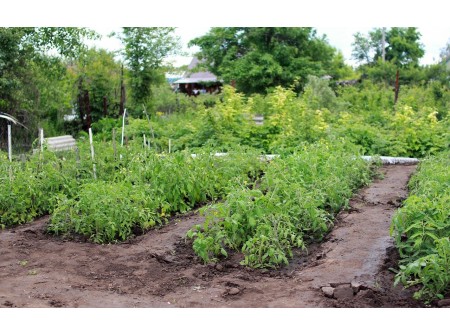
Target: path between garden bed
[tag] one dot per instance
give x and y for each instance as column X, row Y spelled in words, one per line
column 159, row 269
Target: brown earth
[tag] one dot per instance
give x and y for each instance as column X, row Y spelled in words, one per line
column 159, row 269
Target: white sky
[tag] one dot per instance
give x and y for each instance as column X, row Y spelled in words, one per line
column 339, row 20
column 340, row 37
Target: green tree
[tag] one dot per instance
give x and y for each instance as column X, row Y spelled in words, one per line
column 97, row 73
column 145, row 49
column 30, row 80
column 260, row 58
column 402, row 47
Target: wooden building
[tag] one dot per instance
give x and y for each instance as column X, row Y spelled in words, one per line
column 195, row 83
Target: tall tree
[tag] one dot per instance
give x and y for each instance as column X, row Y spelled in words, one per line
column 97, row 72
column 145, row 49
column 258, row 58
column 402, row 47
column 28, row 75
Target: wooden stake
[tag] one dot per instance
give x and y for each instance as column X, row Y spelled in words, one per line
column 397, row 87
column 170, row 145
column 41, row 138
column 10, row 152
column 92, row 153
column 41, row 141
column 9, row 144
column 123, row 125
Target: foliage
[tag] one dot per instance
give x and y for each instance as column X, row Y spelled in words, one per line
column 402, row 46
column 421, row 229
column 143, row 189
column 363, row 114
column 416, row 127
column 29, row 189
column 98, row 73
column 403, row 51
column 431, row 271
column 260, row 58
column 294, row 202
column 144, row 51
column 33, row 84
column 318, row 94
column 105, row 212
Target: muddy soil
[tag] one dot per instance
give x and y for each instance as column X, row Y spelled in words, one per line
column 159, row 269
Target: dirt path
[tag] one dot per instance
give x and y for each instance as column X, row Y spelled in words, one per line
column 160, row 270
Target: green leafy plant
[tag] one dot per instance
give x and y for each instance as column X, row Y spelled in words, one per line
column 294, row 202
column 421, row 229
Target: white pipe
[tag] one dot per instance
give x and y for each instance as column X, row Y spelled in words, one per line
column 384, row 159
column 392, row 159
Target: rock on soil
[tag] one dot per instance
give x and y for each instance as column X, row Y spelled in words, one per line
column 234, row 291
column 328, row 291
column 343, row 292
column 444, row 303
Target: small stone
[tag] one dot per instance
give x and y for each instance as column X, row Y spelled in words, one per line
column 219, row 267
column 234, row 291
column 343, row 292
column 356, row 286
column 328, row 291
column 443, row 303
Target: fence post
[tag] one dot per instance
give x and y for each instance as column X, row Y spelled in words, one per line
column 397, row 87
column 41, row 138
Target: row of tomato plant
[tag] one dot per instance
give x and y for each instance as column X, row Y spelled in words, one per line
column 135, row 189
column 292, row 204
column 421, row 228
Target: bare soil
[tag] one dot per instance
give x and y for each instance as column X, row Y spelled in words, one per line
column 159, row 269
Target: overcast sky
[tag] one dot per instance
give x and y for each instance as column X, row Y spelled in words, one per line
column 339, row 20
column 339, row 37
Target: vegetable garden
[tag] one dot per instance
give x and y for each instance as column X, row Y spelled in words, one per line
column 261, row 209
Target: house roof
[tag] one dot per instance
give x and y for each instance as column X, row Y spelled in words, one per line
column 196, row 77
